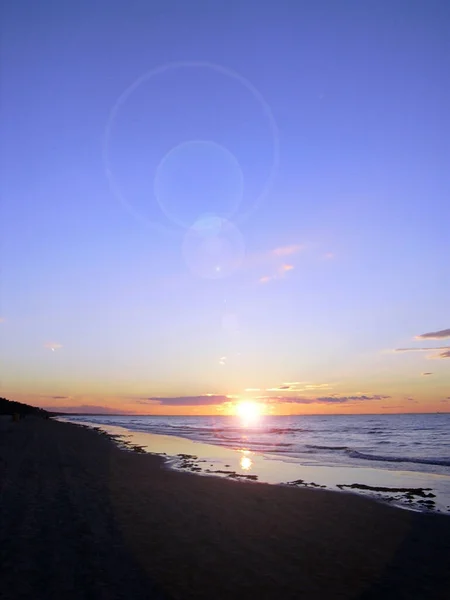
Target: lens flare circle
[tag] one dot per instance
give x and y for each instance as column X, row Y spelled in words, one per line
column 121, row 100
column 213, row 248
column 196, row 177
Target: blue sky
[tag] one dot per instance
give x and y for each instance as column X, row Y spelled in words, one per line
column 323, row 270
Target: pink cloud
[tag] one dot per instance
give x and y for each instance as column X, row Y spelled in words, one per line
column 287, row 250
column 434, row 335
column 281, row 272
column 285, row 268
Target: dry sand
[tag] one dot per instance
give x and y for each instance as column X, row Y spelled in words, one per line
column 80, row 518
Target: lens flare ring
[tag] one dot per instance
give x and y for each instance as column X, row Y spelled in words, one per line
column 115, row 188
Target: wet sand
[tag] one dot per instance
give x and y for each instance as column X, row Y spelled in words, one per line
column 426, row 492
column 80, row 518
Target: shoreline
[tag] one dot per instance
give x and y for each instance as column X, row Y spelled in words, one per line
column 402, row 489
column 81, row 518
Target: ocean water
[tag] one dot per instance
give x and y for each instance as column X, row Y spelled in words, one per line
column 358, row 453
column 413, row 442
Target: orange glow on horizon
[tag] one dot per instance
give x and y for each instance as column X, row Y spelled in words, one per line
column 247, row 410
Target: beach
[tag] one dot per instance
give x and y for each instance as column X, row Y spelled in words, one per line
column 399, row 459
column 82, row 518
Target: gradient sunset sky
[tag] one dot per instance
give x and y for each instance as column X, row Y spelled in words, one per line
column 210, row 201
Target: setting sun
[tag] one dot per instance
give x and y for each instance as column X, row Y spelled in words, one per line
column 248, row 410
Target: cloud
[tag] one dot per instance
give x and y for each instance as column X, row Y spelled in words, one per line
column 445, row 354
column 317, row 386
column 2, row 319
column 279, row 389
column 445, row 401
column 252, row 389
column 53, row 346
column 204, row 400
column 281, row 272
column 222, row 360
column 89, row 409
column 285, row 268
column 434, row 335
column 283, row 387
column 328, row 255
column 299, row 386
column 274, row 255
column 287, row 250
column 269, row 257
column 334, row 399
column 343, row 399
column 427, row 374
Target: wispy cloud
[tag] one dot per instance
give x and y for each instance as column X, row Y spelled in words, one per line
column 343, row 399
column 269, row 257
column 299, row 386
column 444, row 351
column 2, row 319
column 204, row 400
column 317, row 386
column 272, row 259
column 285, row 268
column 287, row 250
column 434, row 335
column 332, row 399
column 89, row 409
column 280, row 272
column 427, row 374
column 413, row 350
column 223, row 361
column 52, row 346
column 412, row 400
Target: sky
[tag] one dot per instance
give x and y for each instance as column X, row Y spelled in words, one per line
column 213, row 201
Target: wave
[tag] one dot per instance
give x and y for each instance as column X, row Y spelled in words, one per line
column 292, row 438
column 442, row 462
column 326, row 447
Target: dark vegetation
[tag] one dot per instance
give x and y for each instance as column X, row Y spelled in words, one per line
column 10, row 407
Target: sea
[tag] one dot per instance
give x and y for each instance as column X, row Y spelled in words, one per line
column 402, row 459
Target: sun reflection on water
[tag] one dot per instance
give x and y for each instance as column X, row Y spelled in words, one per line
column 246, row 463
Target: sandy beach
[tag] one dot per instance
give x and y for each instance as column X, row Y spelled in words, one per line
column 80, row 518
